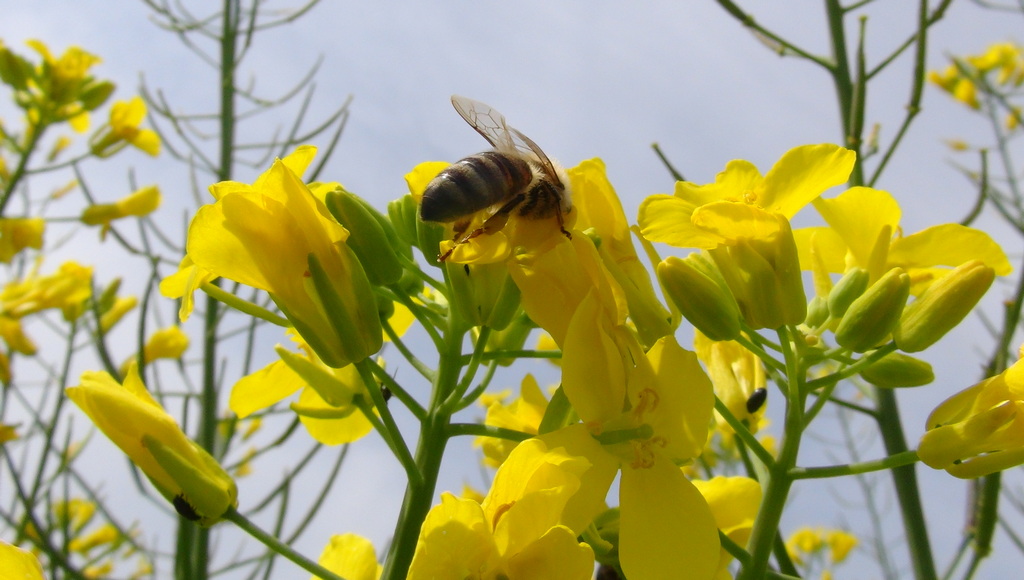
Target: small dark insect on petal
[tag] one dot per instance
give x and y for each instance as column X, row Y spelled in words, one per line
column 185, row 509
column 756, row 400
column 386, row 393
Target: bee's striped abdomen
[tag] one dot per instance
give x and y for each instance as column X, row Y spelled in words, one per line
column 470, row 185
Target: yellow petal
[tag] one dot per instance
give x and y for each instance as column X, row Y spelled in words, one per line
column 19, row 564
column 350, row 556
column 263, row 388
column 859, row 215
column 802, row 174
column 454, row 542
column 557, row 555
column 593, row 372
column 948, row 245
column 666, row 526
column 666, row 219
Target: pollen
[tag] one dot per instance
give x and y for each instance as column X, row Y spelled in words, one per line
column 750, row 197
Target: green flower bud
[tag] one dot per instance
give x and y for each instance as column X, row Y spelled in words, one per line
column 942, row 306
column 374, row 248
column 853, row 283
column 874, row 315
column 817, row 312
column 512, row 337
column 764, row 276
column 403, row 215
column 697, row 288
column 483, row 294
column 896, row 370
column 15, row 70
column 95, row 94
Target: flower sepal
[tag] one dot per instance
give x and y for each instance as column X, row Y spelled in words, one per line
column 206, row 491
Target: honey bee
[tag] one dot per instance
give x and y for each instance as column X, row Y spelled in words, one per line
column 515, row 177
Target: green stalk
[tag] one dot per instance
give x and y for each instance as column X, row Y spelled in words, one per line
column 433, row 438
column 278, row 546
column 763, row 536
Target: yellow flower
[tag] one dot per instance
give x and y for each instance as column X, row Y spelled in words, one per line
column 16, row 234
column 61, row 89
column 734, row 501
column 19, row 563
column 143, row 202
column 14, row 336
column 863, row 230
column 351, row 557
column 804, row 541
column 523, row 414
column 123, row 128
column 526, row 527
column 554, row 281
column 102, row 536
column 276, row 236
column 600, row 213
column 665, row 524
column 183, row 472
column 801, row 175
column 979, row 430
column 735, row 373
column 66, row 289
column 168, row 342
column 840, row 544
column 184, row 283
column 75, row 512
column 326, row 406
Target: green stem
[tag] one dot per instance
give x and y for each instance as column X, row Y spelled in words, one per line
column 905, row 458
column 433, row 438
column 276, row 545
column 776, row 490
column 244, row 306
column 905, row 480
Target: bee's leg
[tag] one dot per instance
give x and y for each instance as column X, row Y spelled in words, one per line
column 561, row 222
column 493, row 224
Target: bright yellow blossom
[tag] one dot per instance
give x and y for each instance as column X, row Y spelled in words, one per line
column 123, row 128
column 326, row 406
column 696, row 216
column 523, row 414
column 183, row 472
column 170, row 343
column 105, row 535
column 16, row 234
column 276, row 236
column 351, row 557
column 18, row 563
column 979, row 430
column 734, row 501
column 140, row 203
column 735, row 373
column 863, row 230
column 526, row 528
column 66, row 289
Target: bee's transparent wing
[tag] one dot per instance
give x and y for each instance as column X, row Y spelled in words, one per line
column 492, row 126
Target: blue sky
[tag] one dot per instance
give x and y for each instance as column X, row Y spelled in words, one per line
column 582, row 79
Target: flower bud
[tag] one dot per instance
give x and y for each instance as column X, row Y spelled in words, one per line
column 896, row 370
column 403, row 215
column 873, row 315
column 350, row 309
column 483, row 294
column 853, row 283
column 942, row 306
column 817, row 312
column 367, row 237
column 697, row 288
column 764, row 276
